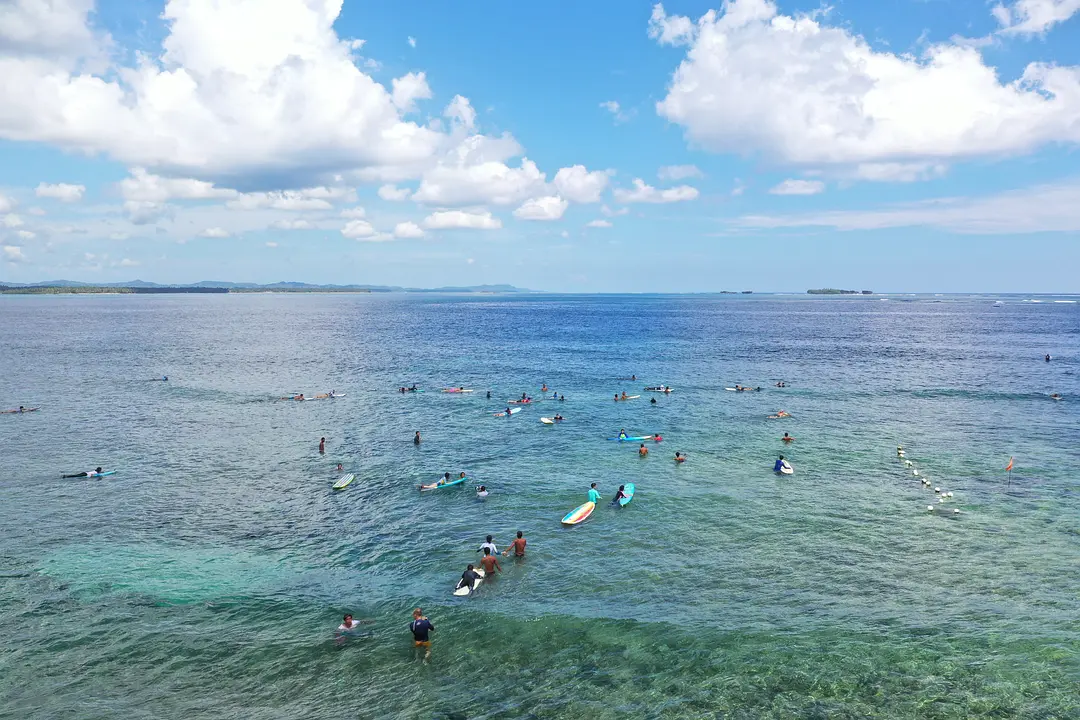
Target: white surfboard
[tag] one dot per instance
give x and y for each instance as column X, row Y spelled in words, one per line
column 462, row 591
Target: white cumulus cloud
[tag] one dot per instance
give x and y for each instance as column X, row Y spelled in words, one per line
column 1032, row 17
column 803, row 92
column 60, row 191
column 598, row 224
column 408, row 230
column 291, row 225
column 354, row 212
column 14, row 254
column 214, row 232
column 798, row 187
column 316, row 198
column 454, row 219
column 645, row 193
column 475, row 173
column 25, row 234
column 551, row 207
column 577, row 184
column 6, row 204
column 393, row 193
column 409, row 88
column 144, row 186
column 357, row 229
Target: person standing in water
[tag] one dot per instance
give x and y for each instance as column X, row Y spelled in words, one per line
column 489, row 544
column 416, row 438
column 594, row 496
column 643, row 451
column 420, row 628
column 490, row 563
column 1047, row 357
column 518, row 546
column 680, row 458
column 322, row 446
column 619, row 496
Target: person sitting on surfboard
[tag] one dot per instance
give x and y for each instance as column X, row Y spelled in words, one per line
column 619, row 495
column 622, row 434
column 779, row 464
column 489, row 562
column 679, row 458
column 518, row 546
column 643, row 451
column 85, row 473
column 594, row 496
column 507, row 409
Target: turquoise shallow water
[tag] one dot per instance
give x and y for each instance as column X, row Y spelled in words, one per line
column 205, row 579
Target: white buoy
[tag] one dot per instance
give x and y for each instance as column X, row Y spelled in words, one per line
column 930, row 508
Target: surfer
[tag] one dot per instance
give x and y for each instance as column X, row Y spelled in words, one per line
column 481, row 491
column 518, row 546
column 652, row 401
column 85, row 473
column 633, row 377
column 657, row 437
column 680, row 458
column 416, row 438
column 489, row 395
column 1053, row 396
column 622, row 434
column 507, row 411
column 624, row 396
column 322, row 446
column 543, row 388
column 558, row 417
column 420, row 627
column 490, row 563
column 489, row 544
column 340, row 467
column 594, row 496
column 468, row 578
column 619, row 496
column 779, row 464
column 787, row 438
column 643, row 451
column 1047, row 357
column 561, row 398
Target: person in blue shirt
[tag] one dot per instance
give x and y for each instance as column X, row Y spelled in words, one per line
column 594, row 496
column 779, row 464
column 420, row 627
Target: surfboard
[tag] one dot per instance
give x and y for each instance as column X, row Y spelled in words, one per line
column 513, row 411
column 462, row 591
column 731, row 389
column 454, row 481
column 628, row 490
column 786, row 468
column 635, row 438
column 579, row 513
column 102, row 474
column 455, row 390
column 547, row 421
column 629, row 397
column 344, row 481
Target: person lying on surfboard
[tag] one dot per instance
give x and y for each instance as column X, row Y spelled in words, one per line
column 85, row 473
column 468, row 578
column 442, row 481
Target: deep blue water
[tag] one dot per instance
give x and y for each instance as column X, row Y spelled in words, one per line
column 206, row 577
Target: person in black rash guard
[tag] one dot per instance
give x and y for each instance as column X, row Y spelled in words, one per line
column 420, row 627
column 468, row 578
column 619, row 495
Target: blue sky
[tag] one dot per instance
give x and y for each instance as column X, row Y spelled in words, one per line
column 602, row 146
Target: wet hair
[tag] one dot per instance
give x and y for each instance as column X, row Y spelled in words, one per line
column 417, row 612
column 347, row 617
column 487, row 551
column 489, row 538
column 519, row 533
column 592, row 485
column 470, row 567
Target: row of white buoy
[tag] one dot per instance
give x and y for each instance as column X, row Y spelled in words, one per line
column 942, row 495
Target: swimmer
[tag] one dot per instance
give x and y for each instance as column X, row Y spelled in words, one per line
column 624, row 395
column 340, row 467
column 657, row 438
column 559, row 417
column 643, row 451
column 489, row 395
column 322, row 446
column 652, row 401
column 348, row 624
column 562, row 397
column 481, row 492
column 787, row 438
column 680, row 458
column 616, row 397
column 490, row 563
column 543, row 388
column 518, row 546
column 1055, row 396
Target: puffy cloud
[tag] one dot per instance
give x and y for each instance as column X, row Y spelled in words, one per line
column 394, row 193
column 613, row 107
column 679, row 172
column 670, row 29
column 577, row 184
column 128, row 262
column 551, row 207
column 1044, row 208
column 798, row 187
column 6, row 204
column 598, row 224
column 214, row 232
column 461, row 113
column 807, row 93
column 146, row 187
column 605, row 210
column 354, row 212
column 25, row 234
column 644, row 193
column 11, row 220
column 235, row 92
column 899, row 172
column 408, row 230
column 475, row 174
column 408, row 89
column 291, row 225
column 451, row 219
column 144, row 212
column 60, row 191
column 358, row 229
column 1031, row 17
column 13, row 253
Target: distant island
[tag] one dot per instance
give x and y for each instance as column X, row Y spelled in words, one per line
column 834, row 291
column 140, row 287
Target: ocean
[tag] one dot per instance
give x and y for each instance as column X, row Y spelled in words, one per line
column 205, row 579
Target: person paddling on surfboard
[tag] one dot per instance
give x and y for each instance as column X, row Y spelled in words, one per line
column 468, row 578
column 518, row 546
column 594, row 496
column 85, row 473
